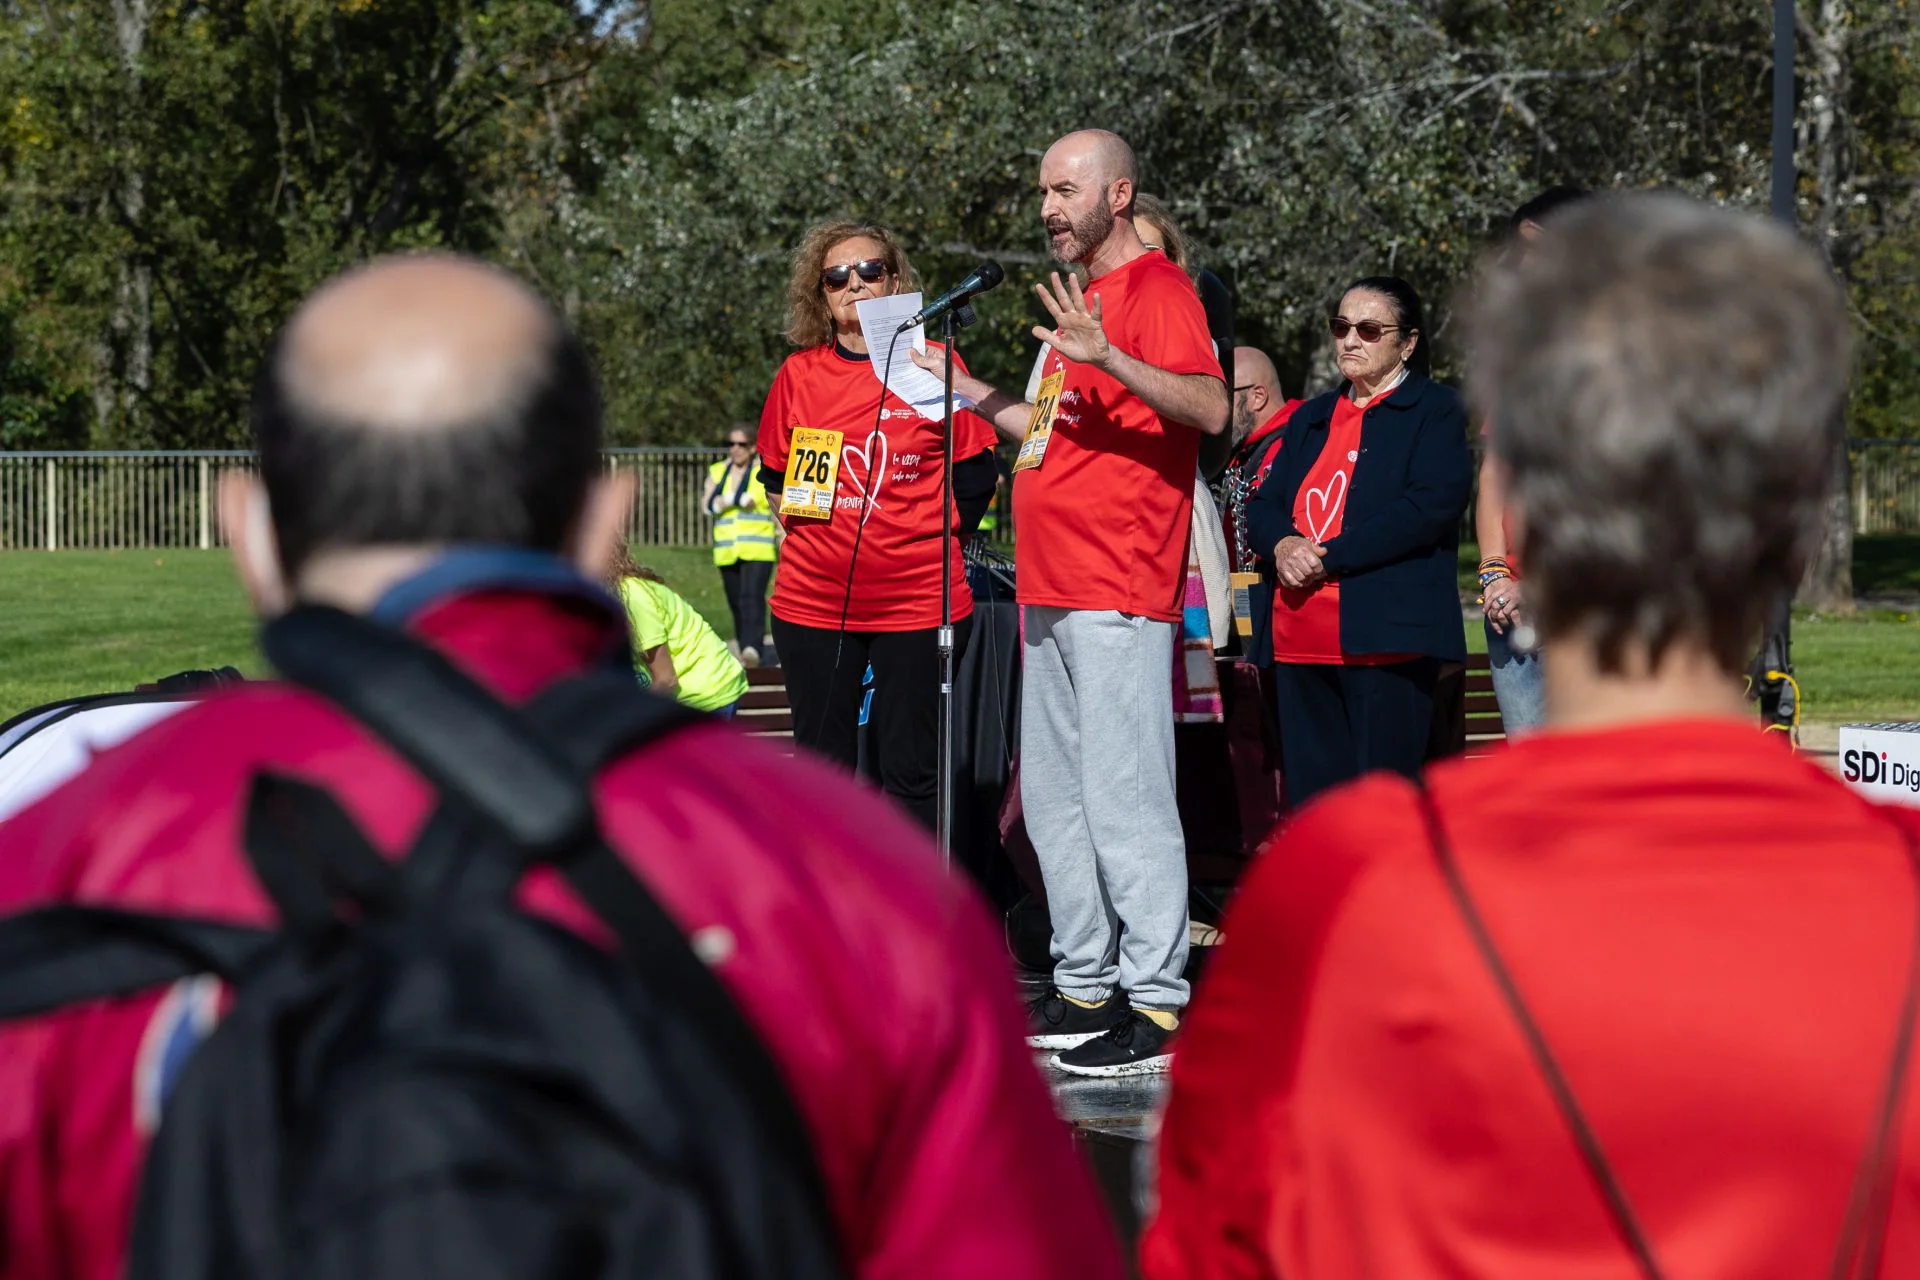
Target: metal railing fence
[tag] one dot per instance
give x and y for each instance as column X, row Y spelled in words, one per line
column 124, row 499
column 1884, row 476
column 1886, row 486
column 666, row 508
column 139, row 499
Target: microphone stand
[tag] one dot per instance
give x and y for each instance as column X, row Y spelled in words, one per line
column 960, row 316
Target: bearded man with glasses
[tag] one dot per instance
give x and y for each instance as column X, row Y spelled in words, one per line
column 859, row 479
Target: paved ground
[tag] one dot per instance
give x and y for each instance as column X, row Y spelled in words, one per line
column 1127, row 1107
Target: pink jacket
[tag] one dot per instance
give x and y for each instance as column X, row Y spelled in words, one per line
column 878, row 982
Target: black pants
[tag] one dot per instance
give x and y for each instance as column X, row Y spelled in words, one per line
column 746, row 584
column 904, row 726
column 1338, row 722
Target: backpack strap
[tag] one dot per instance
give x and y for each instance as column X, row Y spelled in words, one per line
column 495, row 764
column 1583, row 1136
column 58, row 956
column 1867, row 1199
column 445, row 724
column 309, row 854
column 596, row 717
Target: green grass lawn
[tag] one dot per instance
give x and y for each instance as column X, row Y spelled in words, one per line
column 1866, row 667
column 75, row 622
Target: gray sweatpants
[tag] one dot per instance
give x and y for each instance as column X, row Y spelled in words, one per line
column 1096, row 783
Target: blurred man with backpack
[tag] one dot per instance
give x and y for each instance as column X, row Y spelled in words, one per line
column 412, row 1071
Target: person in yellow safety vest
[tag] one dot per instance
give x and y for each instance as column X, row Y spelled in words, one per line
column 745, row 539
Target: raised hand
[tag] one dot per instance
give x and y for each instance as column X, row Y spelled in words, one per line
column 1077, row 334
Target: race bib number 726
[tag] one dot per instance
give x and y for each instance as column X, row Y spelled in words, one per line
column 813, row 472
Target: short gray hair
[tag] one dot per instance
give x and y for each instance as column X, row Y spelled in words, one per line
column 1665, row 381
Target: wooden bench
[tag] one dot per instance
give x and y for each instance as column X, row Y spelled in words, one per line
column 765, row 712
column 1485, row 729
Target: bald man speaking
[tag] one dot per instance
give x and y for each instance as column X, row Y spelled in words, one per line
column 429, row 439
column 1103, row 493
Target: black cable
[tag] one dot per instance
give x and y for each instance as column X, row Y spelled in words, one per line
column 859, row 532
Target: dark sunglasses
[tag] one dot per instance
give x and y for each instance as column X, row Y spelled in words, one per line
column 736, row 444
column 871, row 270
column 1369, row 330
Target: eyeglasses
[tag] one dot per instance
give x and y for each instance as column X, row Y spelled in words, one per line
column 1369, row 330
column 870, row 269
column 737, row 444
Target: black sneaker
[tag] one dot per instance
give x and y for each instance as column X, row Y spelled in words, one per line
column 1055, row 1022
column 1137, row 1046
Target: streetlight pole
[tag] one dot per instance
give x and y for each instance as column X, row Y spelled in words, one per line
column 1777, row 697
column 1783, row 172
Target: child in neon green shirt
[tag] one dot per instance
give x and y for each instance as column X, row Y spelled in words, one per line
column 674, row 649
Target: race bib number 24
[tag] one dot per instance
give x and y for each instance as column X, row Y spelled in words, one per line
column 1033, row 447
column 813, row 472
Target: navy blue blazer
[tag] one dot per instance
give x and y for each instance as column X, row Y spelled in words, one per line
column 1395, row 555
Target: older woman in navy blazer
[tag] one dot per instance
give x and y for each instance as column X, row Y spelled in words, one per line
column 1359, row 521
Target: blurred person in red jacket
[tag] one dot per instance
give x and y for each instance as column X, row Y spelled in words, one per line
column 1632, row 997
column 429, row 439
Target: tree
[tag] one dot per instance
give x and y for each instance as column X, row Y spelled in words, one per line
column 173, row 176
column 177, row 176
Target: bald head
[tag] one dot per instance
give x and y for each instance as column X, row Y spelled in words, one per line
column 424, row 400
column 1256, row 390
column 1087, row 184
column 1106, row 156
column 425, row 343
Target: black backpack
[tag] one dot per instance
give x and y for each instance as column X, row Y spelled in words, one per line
column 418, row 1080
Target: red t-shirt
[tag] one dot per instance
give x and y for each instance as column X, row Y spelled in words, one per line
column 1306, row 624
column 1713, row 936
column 1273, row 428
column 1102, row 522
column 897, row 580
column 1264, row 440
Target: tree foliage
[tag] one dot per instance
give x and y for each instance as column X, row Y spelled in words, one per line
column 178, row 172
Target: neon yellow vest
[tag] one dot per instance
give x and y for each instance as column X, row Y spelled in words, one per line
column 741, row 533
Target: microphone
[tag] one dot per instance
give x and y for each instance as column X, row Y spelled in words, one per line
column 984, row 277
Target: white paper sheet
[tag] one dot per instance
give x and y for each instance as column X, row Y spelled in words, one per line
column 880, row 318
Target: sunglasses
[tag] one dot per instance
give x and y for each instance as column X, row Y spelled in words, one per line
column 1369, row 330
column 870, row 269
column 737, row 444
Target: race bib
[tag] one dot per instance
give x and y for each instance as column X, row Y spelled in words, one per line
column 1033, row 446
column 1243, row 584
column 813, row 472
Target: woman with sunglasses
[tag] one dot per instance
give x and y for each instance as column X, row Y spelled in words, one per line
column 859, row 581
column 746, row 539
column 1360, row 517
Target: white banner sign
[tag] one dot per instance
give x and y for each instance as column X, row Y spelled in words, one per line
column 1882, row 761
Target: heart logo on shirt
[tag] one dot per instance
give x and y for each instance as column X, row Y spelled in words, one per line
column 858, row 478
column 1328, row 501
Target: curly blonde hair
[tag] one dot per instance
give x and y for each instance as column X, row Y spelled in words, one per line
column 809, row 322
column 624, row 566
